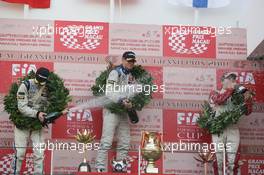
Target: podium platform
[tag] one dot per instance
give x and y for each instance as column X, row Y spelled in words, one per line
column 111, row 173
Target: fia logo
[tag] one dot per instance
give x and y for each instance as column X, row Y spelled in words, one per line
column 187, row 118
column 246, row 78
column 80, row 115
column 23, row 69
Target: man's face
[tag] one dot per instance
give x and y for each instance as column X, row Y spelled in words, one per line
column 225, row 83
column 40, row 80
column 128, row 64
column 228, row 83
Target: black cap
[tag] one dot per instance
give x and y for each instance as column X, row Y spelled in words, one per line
column 42, row 74
column 129, row 55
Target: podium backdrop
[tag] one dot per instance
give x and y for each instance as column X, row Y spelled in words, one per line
column 187, row 60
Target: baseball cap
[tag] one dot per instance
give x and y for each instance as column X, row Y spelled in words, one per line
column 42, row 74
column 129, row 55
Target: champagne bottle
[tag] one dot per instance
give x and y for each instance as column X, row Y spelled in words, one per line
column 133, row 117
column 84, row 166
column 51, row 117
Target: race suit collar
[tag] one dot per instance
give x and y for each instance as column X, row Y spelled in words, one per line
column 124, row 70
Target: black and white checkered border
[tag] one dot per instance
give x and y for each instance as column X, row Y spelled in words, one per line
column 176, row 42
column 7, row 165
column 70, row 40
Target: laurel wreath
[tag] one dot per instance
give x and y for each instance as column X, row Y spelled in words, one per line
column 217, row 124
column 58, row 98
column 138, row 101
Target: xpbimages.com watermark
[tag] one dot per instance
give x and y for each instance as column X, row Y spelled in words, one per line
column 172, row 147
column 93, row 31
column 72, row 146
column 211, row 31
column 86, row 31
column 131, row 89
column 196, row 147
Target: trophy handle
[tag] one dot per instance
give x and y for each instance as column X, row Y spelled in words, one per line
column 159, row 139
column 143, row 137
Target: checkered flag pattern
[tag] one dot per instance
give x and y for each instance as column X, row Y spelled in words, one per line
column 143, row 165
column 177, row 44
column 7, row 164
column 29, row 165
column 198, row 48
column 131, row 159
column 71, row 40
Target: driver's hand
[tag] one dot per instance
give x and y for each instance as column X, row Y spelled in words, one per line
column 65, row 111
column 247, row 95
column 41, row 116
column 127, row 103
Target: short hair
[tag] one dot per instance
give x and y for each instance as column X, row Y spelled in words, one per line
column 229, row 75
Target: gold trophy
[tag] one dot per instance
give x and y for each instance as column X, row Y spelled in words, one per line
column 205, row 157
column 151, row 149
column 85, row 137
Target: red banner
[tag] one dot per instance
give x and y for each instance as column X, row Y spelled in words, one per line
column 81, row 37
column 67, row 127
column 181, row 126
column 7, row 160
column 189, row 41
column 11, row 71
column 32, row 3
column 252, row 165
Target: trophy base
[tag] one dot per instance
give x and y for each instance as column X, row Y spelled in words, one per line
column 84, row 167
column 152, row 170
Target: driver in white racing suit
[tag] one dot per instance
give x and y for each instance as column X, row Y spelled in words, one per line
column 118, row 77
